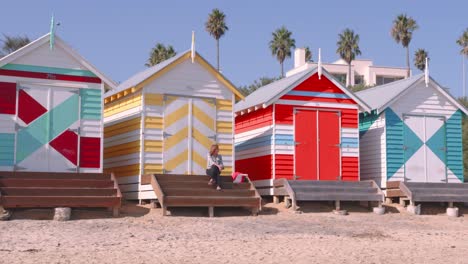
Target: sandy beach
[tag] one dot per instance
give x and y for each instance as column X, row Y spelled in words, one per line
column 277, row 235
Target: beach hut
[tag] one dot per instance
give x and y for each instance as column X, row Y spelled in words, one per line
column 412, row 134
column 164, row 119
column 302, row 127
column 50, row 109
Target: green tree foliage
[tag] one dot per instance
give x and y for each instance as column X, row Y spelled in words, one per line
column 420, row 59
column 159, row 54
column 402, row 31
column 257, row 84
column 308, row 54
column 348, row 48
column 463, row 42
column 216, row 27
column 359, row 87
column 13, row 43
column 281, row 45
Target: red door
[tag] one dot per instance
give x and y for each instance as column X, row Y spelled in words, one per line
column 317, row 145
column 306, row 144
column 329, row 145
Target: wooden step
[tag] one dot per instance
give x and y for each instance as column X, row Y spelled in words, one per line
column 431, row 191
column 322, row 189
column 447, row 197
column 55, row 175
column 218, row 201
column 56, row 183
column 426, row 185
column 57, row 201
column 202, row 185
column 44, row 191
column 191, row 179
column 208, row 192
column 332, row 196
column 331, row 183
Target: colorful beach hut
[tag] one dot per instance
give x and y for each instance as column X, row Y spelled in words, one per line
column 164, row 119
column 302, row 127
column 50, row 109
column 412, row 134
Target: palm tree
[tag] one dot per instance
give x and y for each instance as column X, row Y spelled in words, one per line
column 308, row 54
column 463, row 42
column 348, row 49
column 281, row 45
column 160, row 53
column 216, row 26
column 402, row 31
column 13, row 43
column 420, row 59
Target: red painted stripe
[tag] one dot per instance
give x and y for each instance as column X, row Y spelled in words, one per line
column 7, row 98
column 67, row 145
column 318, row 99
column 258, row 168
column 90, row 152
column 350, row 168
column 284, row 166
column 28, row 108
column 50, row 76
column 253, row 120
column 313, row 84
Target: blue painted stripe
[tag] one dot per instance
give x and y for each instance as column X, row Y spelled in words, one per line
column 318, row 94
column 91, row 104
column 7, row 149
column 349, row 142
column 454, row 154
column 281, row 139
column 394, row 142
column 43, row 69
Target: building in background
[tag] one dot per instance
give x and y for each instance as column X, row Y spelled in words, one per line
column 363, row 71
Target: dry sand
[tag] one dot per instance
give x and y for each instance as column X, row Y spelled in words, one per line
column 277, row 235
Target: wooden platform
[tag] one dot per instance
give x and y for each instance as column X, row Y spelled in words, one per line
column 194, row 191
column 435, row 192
column 49, row 190
column 301, row 190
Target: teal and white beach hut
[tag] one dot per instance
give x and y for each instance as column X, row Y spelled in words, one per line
column 413, row 134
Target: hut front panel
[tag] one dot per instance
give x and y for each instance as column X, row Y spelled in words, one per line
column 50, row 113
column 372, row 148
column 424, row 101
column 122, row 142
column 321, row 95
column 254, row 144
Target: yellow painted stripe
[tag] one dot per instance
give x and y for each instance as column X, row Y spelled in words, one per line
column 203, row 117
column 209, row 102
column 176, row 138
column 122, row 127
column 176, row 161
column 176, row 115
column 154, row 99
column 169, row 99
column 153, row 168
column 202, row 139
column 224, row 105
column 122, row 149
column 225, row 149
column 198, row 159
column 224, row 127
column 122, row 105
column 154, row 122
column 123, row 171
column 227, row 171
column 153, row 146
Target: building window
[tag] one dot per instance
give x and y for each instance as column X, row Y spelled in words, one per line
column 386, row 79
column 340, row 77
column 358, row 79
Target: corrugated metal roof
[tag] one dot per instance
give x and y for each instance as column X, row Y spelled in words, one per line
column 379, row 96
column 143, row 75
column 265, row 93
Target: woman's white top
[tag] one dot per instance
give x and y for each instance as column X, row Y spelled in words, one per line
column 214, row 160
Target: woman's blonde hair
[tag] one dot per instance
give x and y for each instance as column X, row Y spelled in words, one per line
column 213, row 148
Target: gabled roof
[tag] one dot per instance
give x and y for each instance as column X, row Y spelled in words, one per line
column 268, row 94
column 62, row 44
column 382, row 96
column 142, row 78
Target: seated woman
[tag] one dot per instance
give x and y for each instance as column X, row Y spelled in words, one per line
column 214, row 166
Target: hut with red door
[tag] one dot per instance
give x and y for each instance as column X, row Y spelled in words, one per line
column 302, row 127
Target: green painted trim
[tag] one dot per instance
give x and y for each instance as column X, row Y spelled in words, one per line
column 91, row 105
column 34, row 68
column 366, row 121
column 455, row 144
column 7, row 149
column 394, row 142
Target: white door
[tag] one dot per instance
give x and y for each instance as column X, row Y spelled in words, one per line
column 424, row 144
column 47, row 129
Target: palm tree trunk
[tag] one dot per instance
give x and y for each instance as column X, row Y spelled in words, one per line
column 348, row 80
column 407, row 62
column 282, row 70
column 217, row 54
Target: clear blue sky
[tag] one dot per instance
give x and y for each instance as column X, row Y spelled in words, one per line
column 116, row 36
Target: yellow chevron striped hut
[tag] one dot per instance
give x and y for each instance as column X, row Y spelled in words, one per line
column 164, row 120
